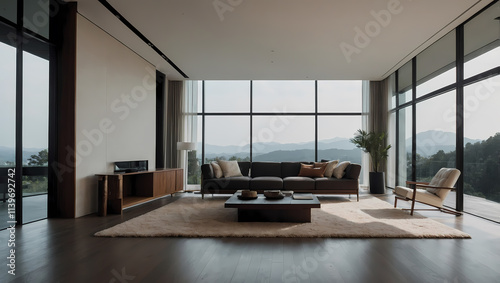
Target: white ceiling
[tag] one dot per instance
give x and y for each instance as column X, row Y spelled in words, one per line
column 280, row 39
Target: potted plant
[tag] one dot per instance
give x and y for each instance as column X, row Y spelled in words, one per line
column 374, row 144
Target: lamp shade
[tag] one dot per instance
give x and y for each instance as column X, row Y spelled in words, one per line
column 186, row 145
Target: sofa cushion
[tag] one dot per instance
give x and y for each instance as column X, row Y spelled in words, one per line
column 316, row 170
column 266, row 183
column 230, row 168
column 336, row 184
column 266, row 169
column 230, row 183
column 339, row 170
column 217, row 170
column 330, row 165
column 422, row 195
column 352, row 171
column 298, row 183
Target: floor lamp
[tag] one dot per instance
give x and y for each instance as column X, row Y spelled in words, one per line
column 187, row 146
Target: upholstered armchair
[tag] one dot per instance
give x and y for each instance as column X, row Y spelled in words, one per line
column 433, row 193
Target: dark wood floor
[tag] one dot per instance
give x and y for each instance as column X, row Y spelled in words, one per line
column 64, row 250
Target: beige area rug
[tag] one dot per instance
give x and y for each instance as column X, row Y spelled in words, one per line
column 338, row 217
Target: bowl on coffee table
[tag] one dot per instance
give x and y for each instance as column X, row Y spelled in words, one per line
column 274, row 194
column 247, row 195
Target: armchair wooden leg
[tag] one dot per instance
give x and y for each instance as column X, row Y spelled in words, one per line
column 202, row 196
column 412, row 207
column 395, row 201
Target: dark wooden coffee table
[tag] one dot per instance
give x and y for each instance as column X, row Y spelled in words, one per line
column 267, row 210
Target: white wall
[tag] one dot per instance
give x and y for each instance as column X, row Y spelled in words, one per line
column 115, row 110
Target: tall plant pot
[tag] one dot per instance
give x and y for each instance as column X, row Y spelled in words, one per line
column 377, row 183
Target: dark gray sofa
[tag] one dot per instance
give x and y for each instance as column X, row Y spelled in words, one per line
column 261, row 176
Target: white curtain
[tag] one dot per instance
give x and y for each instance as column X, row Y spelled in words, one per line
column 189, row 120
column 189, row 111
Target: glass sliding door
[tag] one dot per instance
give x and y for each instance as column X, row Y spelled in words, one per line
column 7, row 125
column 35, row 135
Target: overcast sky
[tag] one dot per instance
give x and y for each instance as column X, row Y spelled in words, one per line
column 35, row 102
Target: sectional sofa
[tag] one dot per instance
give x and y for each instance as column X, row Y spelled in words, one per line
column 262, row 176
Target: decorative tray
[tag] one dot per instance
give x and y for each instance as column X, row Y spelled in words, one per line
column 246, row 198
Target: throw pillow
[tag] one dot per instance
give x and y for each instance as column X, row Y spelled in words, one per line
column 311, row 171
column 330, row 165
column 230, row 168
column 338, row 171
column 217, row 169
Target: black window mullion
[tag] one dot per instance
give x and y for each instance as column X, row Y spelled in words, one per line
column 19, row 113
column 414, row 121
column 459, row 205
column 203, row 122
column 316, row 121
column 397, row 129
column 251, row 121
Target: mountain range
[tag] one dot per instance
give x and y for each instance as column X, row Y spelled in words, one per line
column 8, row 154
column 429, row 142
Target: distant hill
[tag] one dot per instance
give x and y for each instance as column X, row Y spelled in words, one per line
column 430, row 142
column 262, row 148
column 8, row 154
column 353, row 155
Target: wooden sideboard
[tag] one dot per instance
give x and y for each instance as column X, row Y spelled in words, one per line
column 118, row 191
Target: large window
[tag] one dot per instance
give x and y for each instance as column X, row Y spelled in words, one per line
column 453, row 105
column 35, row 136
column 482, row 42
column 283, row 138
column 436, row 135
column 286, row 121
column 339, row 96
column 24, row 110
column 482, row 147
column 227, row 96
column 436, row 65
column 283, row 96
column 227, row 138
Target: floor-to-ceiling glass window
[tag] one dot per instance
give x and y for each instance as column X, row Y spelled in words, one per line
column 278, row 134
column 7, row 125
column 436, row 135
column 405, row 139
column 445, row 84
column 227, row 120
column 25, row 52
column 482, row 148
column 35, row 127
column 280, row 120
column 481, row 173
